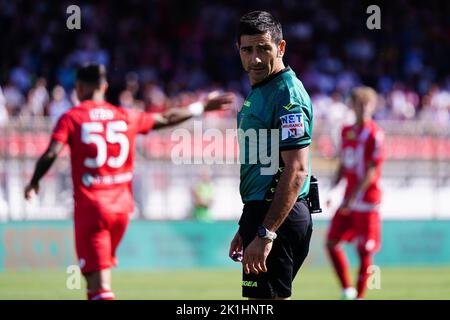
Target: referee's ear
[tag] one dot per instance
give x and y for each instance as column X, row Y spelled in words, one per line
column 281, row 47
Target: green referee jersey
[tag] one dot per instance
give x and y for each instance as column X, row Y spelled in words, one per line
column 279, row 102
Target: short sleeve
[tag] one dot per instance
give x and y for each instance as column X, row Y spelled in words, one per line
column 294, row 123
column 144, row 121
column 63, row 129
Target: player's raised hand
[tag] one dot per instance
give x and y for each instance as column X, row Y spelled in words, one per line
column 219, row 101
column 30, row 191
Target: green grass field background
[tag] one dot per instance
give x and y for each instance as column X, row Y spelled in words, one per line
column 216, row 284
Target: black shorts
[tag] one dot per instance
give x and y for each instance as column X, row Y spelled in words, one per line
column 289, row 250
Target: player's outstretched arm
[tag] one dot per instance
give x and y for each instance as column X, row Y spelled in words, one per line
column 42, row 166
column 177, row 115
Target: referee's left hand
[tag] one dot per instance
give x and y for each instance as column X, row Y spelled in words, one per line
column 255, row 255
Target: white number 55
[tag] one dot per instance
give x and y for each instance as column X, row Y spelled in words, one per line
column 115, row 133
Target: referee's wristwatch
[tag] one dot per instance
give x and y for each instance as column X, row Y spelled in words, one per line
column 263, row 233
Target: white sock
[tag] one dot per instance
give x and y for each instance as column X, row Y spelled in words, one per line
column 349, row 293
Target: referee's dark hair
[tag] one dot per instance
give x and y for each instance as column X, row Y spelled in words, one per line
column 260, row 22
column 93, row 74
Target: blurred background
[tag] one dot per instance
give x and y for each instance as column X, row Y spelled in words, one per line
column 162, row 54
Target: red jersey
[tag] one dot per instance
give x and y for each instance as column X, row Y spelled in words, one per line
column 101, row 138
column 361, row 146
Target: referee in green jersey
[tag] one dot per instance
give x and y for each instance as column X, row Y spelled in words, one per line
column 275, row 226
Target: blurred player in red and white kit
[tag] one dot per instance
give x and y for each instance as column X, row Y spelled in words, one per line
column 357, row 218
column 101, row 138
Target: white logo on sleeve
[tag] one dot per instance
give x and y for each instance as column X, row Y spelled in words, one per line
column 292, row 126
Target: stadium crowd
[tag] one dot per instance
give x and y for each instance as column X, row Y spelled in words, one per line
column 164, row 53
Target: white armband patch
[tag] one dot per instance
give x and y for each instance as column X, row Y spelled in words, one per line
column 292, row 126
column 196, row 108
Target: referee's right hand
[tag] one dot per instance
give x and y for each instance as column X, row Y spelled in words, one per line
column 236, row 248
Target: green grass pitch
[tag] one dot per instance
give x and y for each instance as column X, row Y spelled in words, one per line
column 204, row 284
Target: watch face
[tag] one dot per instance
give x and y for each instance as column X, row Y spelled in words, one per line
column 261, row 232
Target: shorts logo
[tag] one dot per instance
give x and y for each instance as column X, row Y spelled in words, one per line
column 292, row 126
column 250, row 284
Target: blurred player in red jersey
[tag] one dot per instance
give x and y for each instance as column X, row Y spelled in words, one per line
column 357, row 219
column 101, row 138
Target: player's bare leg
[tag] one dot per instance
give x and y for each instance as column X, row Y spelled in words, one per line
column 99, row 285
column 365, row 259
column 340, row 264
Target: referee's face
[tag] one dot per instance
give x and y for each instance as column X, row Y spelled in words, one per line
column 260, row 56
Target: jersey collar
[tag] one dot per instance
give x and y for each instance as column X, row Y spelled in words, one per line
column 271, row 77
column 93, row 103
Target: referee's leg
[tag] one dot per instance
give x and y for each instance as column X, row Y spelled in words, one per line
column 286, row 257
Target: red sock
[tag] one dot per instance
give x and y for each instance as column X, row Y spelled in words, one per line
column 340, row 264
column 102, row 294
column 366, row 260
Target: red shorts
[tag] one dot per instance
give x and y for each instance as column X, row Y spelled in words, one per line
column 97, row 236
column 364, row 227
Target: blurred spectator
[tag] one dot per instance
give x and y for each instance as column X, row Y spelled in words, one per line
column 59, row 104
column 127, row 100
column 37, row 100
column 436, row 107
column 157, row 50
column 154, row 98
column 21, row 78
column 338, row 115
column 320, row 102
column 203, row 196
column 3, row 111
column 14, row 99
column 360, row 49
column 132, row 83
column 88, row 51
column 403, row 103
